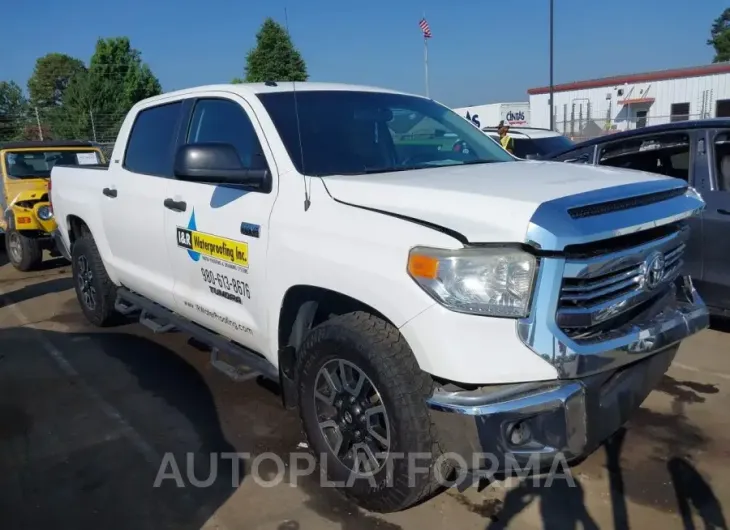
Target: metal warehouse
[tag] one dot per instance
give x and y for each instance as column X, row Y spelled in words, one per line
column 585, row 109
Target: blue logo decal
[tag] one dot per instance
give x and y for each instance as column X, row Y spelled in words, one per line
column 249, row 229
column 195, row 256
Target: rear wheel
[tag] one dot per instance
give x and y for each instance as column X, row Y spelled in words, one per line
column 25, row 253
column 95, row 291
column 362, row 400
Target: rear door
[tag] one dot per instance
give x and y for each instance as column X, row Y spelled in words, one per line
column 134, row 214
column 715, row 280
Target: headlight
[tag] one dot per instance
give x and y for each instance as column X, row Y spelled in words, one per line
column 484, row 281
column 45, row 213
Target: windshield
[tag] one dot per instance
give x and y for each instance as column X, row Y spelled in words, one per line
column 352, row 133
column 38, row 164
column 541, row 146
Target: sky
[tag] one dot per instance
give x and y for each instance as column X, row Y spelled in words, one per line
column 482, row 51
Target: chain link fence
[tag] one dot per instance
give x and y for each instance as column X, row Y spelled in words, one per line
column 49, row 124
column 581, row 128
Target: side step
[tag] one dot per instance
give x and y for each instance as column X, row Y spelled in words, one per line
column 160, row 320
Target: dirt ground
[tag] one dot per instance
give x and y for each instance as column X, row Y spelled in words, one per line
column 88, row 418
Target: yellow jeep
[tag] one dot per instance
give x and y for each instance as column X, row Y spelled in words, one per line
column 27, row 218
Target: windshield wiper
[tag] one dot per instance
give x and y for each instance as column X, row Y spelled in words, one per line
column 427, row 166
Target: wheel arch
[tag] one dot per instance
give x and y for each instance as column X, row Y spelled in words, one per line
column 302, row 308
column 76, row 228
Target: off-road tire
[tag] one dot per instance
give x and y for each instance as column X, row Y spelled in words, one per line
column 103, row 313
column 380, row 351
column 31, row 253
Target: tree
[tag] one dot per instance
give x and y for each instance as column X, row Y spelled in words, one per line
column 97, row 100
column 51, row 76
column 13, row 111
column 720, row 37
column 274, row 58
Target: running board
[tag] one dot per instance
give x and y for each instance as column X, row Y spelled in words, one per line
column 160, row 320
column 149, row 321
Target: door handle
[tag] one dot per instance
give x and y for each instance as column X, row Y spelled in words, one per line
column 109, row 192
column 175, row 206
column 723, row 211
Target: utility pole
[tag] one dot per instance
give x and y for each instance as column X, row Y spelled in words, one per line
column 552, row 86
column 38, row 121
column 93, row 127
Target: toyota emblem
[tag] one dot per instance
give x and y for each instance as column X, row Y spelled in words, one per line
column 653, row 271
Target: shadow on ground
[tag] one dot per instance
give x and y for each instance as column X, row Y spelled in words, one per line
column 85, row 437
column 86, row 434
column 35, row 290
column 721, row 324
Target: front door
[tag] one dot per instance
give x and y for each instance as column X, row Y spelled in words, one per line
column 133, row 203
column 218, row 242
column 715, row 282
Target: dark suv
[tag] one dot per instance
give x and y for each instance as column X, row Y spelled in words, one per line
column 699, row 153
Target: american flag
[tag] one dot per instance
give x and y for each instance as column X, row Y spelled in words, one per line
column 425, row 28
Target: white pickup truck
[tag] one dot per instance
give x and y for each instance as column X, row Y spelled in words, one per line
column 410, row 299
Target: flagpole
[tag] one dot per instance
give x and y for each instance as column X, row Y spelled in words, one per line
column 425, row 57
column 425, row 62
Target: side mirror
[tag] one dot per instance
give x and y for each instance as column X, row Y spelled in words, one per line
column 217, row 163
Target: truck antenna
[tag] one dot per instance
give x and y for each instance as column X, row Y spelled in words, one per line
column 307, row 202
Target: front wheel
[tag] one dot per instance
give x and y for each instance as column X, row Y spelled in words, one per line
column 362, row 401
column 25, row 253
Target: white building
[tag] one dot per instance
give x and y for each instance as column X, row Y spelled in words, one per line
column 589, row 108
column 489, row 115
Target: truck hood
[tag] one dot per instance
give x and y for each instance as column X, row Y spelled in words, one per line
column 482, row 202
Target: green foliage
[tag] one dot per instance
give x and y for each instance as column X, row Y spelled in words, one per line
column 237, row 81
column 50, row 78
column 76, row 102
column 97, row 98
column 13, row 108
column 720, row 37
column 274, row 58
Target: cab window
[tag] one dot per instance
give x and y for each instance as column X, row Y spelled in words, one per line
column 152, row 140
column 225, row 121
column 664, row 154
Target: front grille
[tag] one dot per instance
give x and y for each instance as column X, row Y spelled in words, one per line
column 600, row 293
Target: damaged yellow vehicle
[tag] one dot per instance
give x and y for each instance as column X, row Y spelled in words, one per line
column 27, row 217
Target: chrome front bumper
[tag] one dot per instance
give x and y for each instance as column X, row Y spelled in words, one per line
column 568, row 417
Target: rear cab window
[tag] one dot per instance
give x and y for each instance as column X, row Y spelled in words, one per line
column 665, row 154
column 151, row 143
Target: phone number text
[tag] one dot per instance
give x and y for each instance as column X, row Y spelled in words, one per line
column 224, row 282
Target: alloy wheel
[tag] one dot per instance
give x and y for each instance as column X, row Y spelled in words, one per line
column 352, row 417
column 85, row 278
